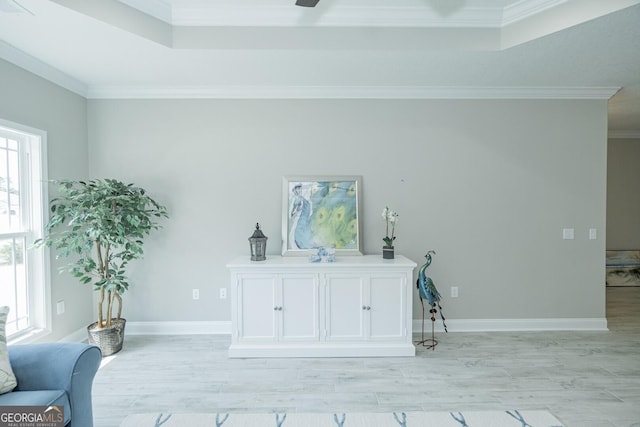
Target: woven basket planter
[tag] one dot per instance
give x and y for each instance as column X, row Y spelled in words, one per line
column 108, row 339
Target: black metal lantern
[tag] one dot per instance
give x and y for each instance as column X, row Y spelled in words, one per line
column 258, row 244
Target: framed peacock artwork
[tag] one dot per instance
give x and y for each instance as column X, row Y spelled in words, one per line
column 321, row 211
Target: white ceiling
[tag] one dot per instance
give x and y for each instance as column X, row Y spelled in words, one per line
column 339, row 49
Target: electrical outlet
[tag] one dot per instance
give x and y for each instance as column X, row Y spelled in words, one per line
column 60, row 307
column 567, row 233
column 196, row 294
column 223, row 293
column 454, row 292
column 593, row 234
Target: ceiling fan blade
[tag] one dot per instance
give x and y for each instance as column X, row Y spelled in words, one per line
column 307, row 3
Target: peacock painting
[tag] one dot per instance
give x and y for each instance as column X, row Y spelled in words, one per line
column 427, row 291
column 322, row 213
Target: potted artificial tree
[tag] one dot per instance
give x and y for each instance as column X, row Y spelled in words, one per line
column 101, row 223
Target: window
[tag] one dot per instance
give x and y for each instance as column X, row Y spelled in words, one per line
column 22, row 208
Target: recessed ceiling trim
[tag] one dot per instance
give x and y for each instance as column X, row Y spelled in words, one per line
column 406, row 14
column 156, row 8
column 371, row 16
column 349, row 92
column 200, row 24
column 229, row 14
column 526, row 8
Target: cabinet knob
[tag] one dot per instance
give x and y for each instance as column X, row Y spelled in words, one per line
column 275, row 308
column 279, row 308
column 364, row 307
column 368, row 308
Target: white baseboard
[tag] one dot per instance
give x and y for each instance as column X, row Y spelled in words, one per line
column 162, row 328
column 179, row 328
column 512, row 325
column 453, row 325
column 78, row 336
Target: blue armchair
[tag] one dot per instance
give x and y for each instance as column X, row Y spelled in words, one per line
column 55, row 374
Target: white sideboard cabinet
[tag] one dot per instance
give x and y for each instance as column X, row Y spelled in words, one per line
column 358, row 306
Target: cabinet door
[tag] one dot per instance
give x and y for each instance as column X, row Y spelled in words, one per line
column 257, row 307
column 299, row 307
column 387, row 301
column 345, row 308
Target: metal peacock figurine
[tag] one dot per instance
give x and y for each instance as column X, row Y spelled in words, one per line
column 427, row 290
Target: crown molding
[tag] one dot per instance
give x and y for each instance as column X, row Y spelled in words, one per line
column 349, row 92
column 209, row 14
column 39, row 68
column 337, row 16
column 527, row 8
column 410, row 14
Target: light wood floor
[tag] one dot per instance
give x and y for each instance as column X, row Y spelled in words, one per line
column 586, row 379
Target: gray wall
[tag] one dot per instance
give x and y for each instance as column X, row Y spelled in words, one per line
column 623, row 194
column 489, row 185
column 32, row 101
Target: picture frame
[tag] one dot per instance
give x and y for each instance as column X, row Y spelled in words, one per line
column 321, row 211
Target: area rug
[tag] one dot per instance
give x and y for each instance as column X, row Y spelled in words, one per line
column 511, row 418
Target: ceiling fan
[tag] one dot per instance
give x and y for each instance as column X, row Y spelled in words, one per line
column 307, row 3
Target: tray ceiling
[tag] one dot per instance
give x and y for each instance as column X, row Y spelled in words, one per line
column 340, row 48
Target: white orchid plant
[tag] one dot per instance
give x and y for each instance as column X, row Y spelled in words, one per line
column 390, row 217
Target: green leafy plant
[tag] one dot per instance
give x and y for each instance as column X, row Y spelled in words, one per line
column 390, row 217
column 101, row 223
